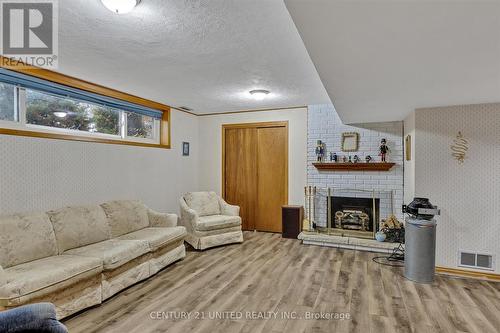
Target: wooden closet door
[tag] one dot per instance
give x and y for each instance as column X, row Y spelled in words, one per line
column 240, row 168
column 272, row 177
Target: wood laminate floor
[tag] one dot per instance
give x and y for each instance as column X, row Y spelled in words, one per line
column 270, row 274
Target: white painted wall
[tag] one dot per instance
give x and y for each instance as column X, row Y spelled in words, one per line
column 409, row 166
column 42, row 174
column 467, row 194
column 210, row 138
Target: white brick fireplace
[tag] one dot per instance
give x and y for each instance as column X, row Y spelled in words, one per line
column 324, row 124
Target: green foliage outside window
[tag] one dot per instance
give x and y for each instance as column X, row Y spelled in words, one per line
column 7, row 107
column 53, row 111
column 42, row 109
column 107, row 121
column 139, row 126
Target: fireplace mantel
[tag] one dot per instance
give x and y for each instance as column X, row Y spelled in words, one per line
column 375, row 166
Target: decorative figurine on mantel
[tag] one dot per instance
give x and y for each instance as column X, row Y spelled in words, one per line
column 333, row 157
column 356, row 159
column 384, row 149
column 344, row 159
column 320, row 151
column 368, row 158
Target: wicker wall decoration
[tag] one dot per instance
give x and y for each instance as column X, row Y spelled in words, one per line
column 459, row 148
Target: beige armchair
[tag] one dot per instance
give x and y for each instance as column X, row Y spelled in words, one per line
column 209, row 220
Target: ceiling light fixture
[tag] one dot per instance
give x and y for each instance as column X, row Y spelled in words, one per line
column 120, row 6
column 60, row 114
column 259, row 94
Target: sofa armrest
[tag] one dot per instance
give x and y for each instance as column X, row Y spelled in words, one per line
column 161, row 220
column 227, row 209
column 189, row 217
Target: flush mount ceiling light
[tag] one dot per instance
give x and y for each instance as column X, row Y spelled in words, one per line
column 120, row 6
column 259, row 94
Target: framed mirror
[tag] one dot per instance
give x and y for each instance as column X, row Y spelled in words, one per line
column 350, row 141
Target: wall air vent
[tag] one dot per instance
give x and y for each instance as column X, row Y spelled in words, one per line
column 185, row 108
column 475, row 260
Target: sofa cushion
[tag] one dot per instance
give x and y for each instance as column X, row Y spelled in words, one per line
column 157, row 237
column 79, row 226
column 113, row 253
column 43, row 273
column 125, row 216
column 214, row 222
column 203, row 203
column 24, row 238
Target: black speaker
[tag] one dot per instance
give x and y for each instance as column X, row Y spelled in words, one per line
column 292, row 217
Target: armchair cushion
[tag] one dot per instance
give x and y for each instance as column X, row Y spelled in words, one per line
column 125, row 216
column 214, row 222
column 157, row 237
column 113, row 253
column 24, row 238
column 43, row 273
column 79, row 226
column 203, row 203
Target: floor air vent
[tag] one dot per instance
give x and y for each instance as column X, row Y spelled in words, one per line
column 475, row 260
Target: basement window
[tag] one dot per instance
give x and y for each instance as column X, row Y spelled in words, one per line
column 45, row 112
column 34, row 107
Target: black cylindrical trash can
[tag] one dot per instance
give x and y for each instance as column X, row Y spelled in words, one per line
column 420, row 250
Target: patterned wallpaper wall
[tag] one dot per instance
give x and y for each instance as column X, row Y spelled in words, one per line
column 324, row 124
column 468, row 194
column 42, row 174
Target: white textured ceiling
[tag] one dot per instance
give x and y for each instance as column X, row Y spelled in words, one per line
column 204, row 54
column 380, row 59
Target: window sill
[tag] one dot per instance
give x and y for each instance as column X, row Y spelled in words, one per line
column 81, row 138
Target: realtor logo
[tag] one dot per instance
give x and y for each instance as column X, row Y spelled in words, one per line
column 29, row 32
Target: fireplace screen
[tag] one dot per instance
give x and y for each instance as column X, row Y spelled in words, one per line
column 347, row 212
column 358, row 214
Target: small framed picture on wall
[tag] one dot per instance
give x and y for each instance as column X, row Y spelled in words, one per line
column 350, row 141
column 185, row 149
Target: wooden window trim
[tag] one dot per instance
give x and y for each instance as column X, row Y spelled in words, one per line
column 52, row 76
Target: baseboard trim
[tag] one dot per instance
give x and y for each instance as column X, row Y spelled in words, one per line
column 348, row 246
column 468, row 273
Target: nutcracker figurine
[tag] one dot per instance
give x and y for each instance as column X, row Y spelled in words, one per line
column 320, row 151
column 384, row 149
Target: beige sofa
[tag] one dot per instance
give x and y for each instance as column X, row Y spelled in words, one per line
column 209, row 220
column 77, row 257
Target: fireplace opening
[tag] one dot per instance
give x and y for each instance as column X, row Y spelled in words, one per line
column 354, row 214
